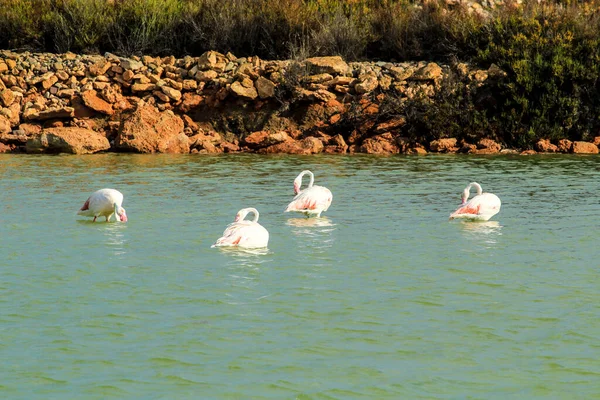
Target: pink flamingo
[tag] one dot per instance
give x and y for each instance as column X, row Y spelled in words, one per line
column 104, row 202
column 482, row 207
column 241, row 233
column 311, row 201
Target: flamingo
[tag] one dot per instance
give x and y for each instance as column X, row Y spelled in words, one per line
column 241, row 233
column 104, row 202
column 311, row 201
column 482, row 207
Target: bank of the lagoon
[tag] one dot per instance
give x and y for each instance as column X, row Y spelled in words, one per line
column 382, row 298
column 217, row 103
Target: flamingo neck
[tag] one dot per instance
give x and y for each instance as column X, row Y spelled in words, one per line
column 116, row 211
column 255, row 212
column 477, row 186
column 312, row 178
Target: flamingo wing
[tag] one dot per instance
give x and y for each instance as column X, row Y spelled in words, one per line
column 483, row 206
column 316, row 198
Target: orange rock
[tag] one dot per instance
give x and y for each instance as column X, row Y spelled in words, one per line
column 67, row 140
column 94, row 102
column 544, row 146
column 147, row 130
column 380, row 144
column 584, row 148
column 564, row 145
column 447, row 145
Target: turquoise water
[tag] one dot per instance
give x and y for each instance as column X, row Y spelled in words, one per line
column 384, row 298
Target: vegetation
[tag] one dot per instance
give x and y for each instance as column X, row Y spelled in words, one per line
column 550, row 51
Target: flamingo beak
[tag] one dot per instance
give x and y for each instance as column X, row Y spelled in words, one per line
column 123, row 217
column 296, row 188
column 237, row 218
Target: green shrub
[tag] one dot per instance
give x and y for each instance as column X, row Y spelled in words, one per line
column 552, row 57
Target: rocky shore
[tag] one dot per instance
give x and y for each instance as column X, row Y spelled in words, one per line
column 216, row 103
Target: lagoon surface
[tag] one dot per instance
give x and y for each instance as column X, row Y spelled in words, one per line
column 383, row 298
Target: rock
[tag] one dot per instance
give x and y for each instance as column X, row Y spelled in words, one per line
column 245, row 92
column 487, row 146
column 212, row 60
column 262, row 139
column 367, row 83
column 312, row 145
column 51, row 113
column 447, row 145
column 17, row 138
column 30, row 129
column 401, row 73
column 129, row 64
column 584, row 148
column 148, row 130
column 306, row 146
column 197, row 140
column 380, row 144
column 6, row 148
column 47, row 83
column 337, row 144
column 564, row 145
column 431, row 71
column 206, row 76
column 4, row 124
column 328, row 65
column 91, row 100
column 100, row 68
column 207, row 147
column 173, row 94
column 142, row 87
column 544, row 146
column 7, row 97
column 264, row 87
column 189, row 84
column 67, row 140
column 390, row 125
column 190, row 101
column 229, row 147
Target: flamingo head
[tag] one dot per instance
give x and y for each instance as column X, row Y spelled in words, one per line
column 240, row 215
column 120, row 213
column 297, row 183
column 464, row 196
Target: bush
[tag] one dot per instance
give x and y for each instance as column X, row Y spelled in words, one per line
column 459, row 109
column 552, row 57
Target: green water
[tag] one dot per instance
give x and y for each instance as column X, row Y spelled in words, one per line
column 384, row 298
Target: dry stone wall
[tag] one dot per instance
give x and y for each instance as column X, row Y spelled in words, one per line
column 214, row 103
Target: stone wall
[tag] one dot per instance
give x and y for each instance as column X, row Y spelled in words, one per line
column 212, row 104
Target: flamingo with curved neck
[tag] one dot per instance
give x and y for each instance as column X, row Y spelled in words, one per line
column 467, row 192
column 298, row 181
column 481, row 207
column 244, row 233
column 245, row 211
column 312, row 200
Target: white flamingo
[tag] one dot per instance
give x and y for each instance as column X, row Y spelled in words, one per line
column 104, row 202
column 482, row 207
column 311, row 201
column 241, row 233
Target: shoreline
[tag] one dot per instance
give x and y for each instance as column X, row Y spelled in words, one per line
column 216, row 103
